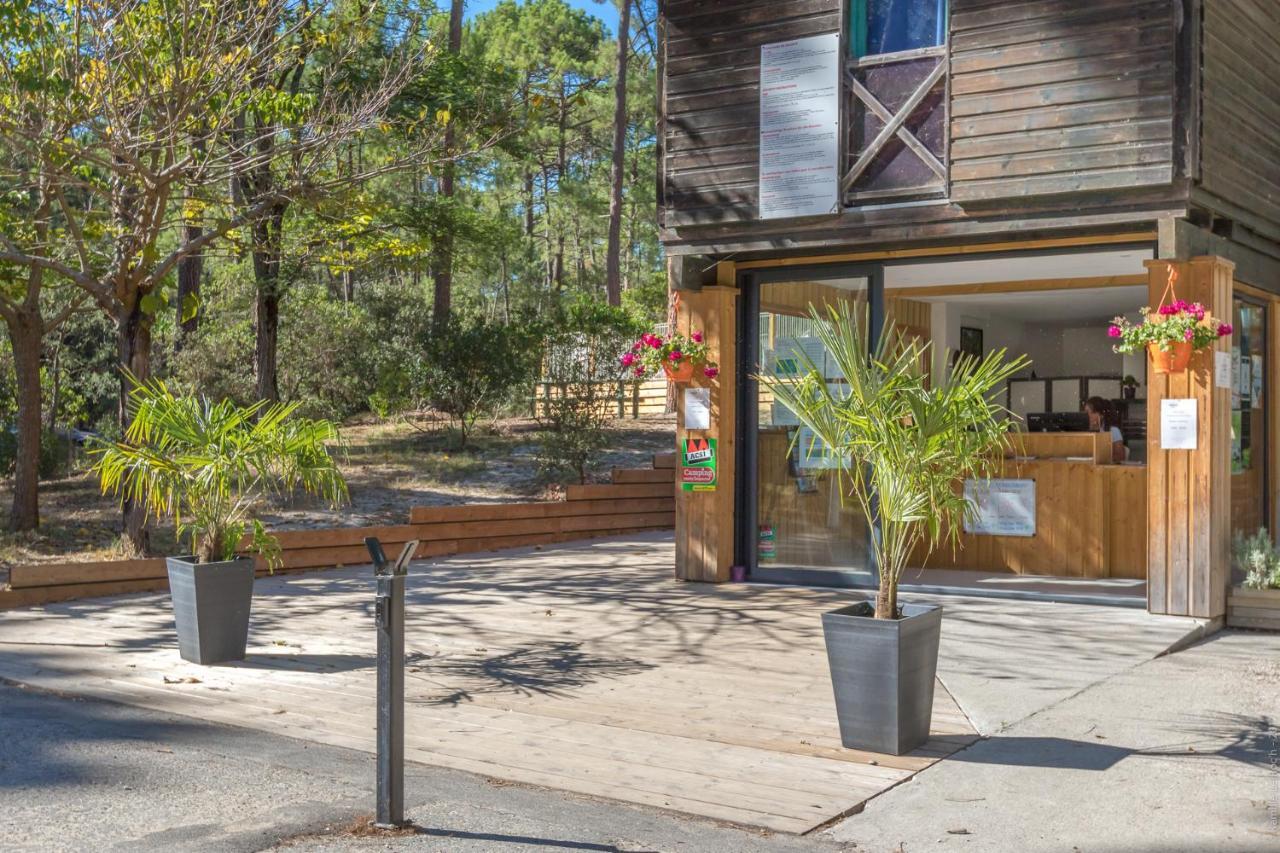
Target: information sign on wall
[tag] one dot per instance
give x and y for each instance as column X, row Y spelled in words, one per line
column 1001, row 507
column 698, row 465
column 800, row 127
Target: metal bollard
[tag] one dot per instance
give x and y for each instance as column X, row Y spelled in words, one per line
column 389, row 619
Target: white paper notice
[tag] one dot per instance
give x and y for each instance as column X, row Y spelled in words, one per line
column 799, row 126
column 1001, row 507
column 697, row 408
column 1178, row 424
column 1221, row 369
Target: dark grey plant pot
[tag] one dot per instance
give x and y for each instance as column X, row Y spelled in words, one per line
column 211, row 604
column 882, row 671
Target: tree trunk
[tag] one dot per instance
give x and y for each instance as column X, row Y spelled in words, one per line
column 266, row 341
column 613, row 255
column 266, row 272
column 26, row 330
column 133, row 333
column 190, row 269
column 443, row 292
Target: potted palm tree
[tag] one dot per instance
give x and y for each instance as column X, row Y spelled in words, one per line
column 906, row 443
column 206, row 464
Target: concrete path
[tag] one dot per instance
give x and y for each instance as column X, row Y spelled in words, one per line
column 1181, row 753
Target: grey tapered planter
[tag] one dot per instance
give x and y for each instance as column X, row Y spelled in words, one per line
column 211, row 604
column 882, row 672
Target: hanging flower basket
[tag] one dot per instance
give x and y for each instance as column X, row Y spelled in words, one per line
column 1174, row 360
column 676, row 357
column 1170, row 333
column 679, row 372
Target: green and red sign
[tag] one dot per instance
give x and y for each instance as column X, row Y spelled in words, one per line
column 698, row 465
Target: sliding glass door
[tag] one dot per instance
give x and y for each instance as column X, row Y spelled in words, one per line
column 802, row 523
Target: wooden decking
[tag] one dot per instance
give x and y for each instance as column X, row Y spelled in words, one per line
column 582, row 667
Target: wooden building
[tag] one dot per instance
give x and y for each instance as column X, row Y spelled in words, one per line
column 984, row 173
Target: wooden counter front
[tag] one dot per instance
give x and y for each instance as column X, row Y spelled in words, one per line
column 1091, row 521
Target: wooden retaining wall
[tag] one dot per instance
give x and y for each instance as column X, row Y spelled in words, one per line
column 638, row 499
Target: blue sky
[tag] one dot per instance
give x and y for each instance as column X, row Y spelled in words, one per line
column 605, row 11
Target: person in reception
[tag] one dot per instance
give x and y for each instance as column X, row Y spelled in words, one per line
column 1103, row 417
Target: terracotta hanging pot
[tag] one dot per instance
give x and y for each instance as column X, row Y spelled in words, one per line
column 678, row 372
column 1175, row 360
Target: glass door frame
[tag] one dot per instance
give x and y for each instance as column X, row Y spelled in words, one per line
column 746, row 501
column 1263, row 305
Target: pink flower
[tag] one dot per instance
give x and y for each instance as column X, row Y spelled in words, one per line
column 1167, row 310
column 636, row 346
column 628, row 359
column 676, row 355
column 639, row 371
column 655, row 341
column 1225, row 329
column 711, row 372
column 1189, row 334
column 697, row 337
column 1114, row 332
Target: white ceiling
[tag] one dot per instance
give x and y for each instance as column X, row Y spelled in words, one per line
column 1083, row 305
column 933, row 273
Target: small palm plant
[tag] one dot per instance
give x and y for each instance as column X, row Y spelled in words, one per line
column 905, row 443
column 206, row 464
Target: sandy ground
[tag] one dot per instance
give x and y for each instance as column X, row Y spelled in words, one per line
column 389, row 467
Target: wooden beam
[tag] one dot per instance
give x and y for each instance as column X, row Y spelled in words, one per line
column 907, row 137
column 1189, row 491
column 943, row 251
column 1021, row 286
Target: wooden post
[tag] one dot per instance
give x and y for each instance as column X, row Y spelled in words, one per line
column 1189, row 491
column 705, row 520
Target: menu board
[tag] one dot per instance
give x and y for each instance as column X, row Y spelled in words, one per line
column 1001, row 507
column 799, row 127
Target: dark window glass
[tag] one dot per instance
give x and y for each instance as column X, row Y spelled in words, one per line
column 896, row 25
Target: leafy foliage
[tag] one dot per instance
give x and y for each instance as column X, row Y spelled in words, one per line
column 1257, row 558
column 205, row 464
column 581, row 378
column 468, row 367
column 903, row 440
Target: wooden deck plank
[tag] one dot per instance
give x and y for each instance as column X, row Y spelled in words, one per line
column 579, row 667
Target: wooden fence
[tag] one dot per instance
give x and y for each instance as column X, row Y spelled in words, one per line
column 633, row 399
column 637, row 499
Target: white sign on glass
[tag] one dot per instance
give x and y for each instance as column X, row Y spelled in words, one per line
column 1001, row 507
column 1178, row 424
column 799, row 127
column 1221, row 369
column 697, row 408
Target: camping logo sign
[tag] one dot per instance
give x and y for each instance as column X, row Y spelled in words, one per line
column 698, row 465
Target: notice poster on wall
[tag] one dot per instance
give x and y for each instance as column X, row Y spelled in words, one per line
column 799, row 127
column 698, row 465
column 1178, row 424
column 697, row 408
column 1001, row 507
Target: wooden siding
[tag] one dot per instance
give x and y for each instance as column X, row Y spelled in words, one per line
column 1062, row 119
column 711, row 92
column 1240, row 110
column 1050, row 98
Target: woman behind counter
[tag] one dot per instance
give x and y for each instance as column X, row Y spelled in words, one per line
column 1103, row 417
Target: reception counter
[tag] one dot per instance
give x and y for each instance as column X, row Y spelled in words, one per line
column 1090, row 515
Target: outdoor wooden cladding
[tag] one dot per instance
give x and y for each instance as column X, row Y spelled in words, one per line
column 1189, row 491
column 1058, row 115
column 638, row 499
column 705, row 520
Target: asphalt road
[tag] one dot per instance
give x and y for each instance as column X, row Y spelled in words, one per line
column 85, row 775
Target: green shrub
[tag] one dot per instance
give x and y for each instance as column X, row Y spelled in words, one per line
column 581, row 374
column 467, row 368
column 56, row 454
column 1257, row 559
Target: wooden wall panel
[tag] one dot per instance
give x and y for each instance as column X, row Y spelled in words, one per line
column 705, row 520
column 1189, row 493
column 1240, row 108
column 711, row 98
column 1051, row 98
